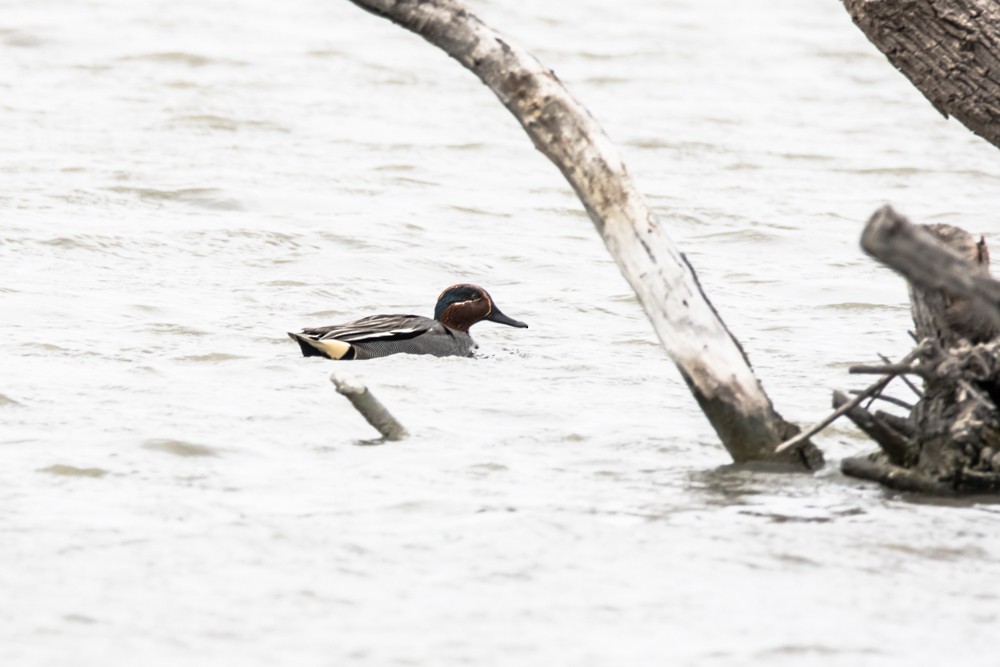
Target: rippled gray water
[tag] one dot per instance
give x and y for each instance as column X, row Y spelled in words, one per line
column 182, row 183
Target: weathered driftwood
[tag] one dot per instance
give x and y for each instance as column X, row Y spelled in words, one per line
column 950, row 441
column 952, row 293
column 948, row 49
column 709, row 358
column 370, row 407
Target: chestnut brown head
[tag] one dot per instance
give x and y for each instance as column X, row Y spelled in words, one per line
column 461, row 306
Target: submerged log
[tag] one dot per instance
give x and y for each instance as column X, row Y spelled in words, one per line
column 950, row 441
column 948, row 49
column 709, row 358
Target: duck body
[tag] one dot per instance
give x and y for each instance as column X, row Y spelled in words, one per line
column 447, row 334
column 382, row 335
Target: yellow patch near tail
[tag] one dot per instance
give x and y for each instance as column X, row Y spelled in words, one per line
column 331, row 349
column 335, row 349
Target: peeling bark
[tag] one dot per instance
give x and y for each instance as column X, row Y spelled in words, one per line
column 948, row 49
column 708, row 356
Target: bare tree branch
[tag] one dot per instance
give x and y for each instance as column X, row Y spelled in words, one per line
column 948, row 49
column 711, row 362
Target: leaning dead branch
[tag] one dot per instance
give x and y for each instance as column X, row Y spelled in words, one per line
column 707, row 355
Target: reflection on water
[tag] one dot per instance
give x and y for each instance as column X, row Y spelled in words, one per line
column 184, row 184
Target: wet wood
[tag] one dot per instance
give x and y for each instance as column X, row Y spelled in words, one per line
column 875, row 468
column 954, row 295
column 839, row 411
column 949, row 441
column 842, row 408
column 710, row 360
column 948, row 49
column 899, row 449
column 370, row 407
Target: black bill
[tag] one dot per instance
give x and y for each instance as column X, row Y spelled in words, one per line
column 500, row 318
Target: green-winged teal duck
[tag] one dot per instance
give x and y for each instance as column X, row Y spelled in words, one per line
column 458, row 308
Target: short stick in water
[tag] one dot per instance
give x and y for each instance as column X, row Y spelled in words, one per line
column 370, row 408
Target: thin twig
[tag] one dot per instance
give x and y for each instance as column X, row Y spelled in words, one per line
column 887, row 399
column 888, row 369
column 907, row 381
column 833, row 416
column 877, row 394
column 898, row 447
column 854, row 402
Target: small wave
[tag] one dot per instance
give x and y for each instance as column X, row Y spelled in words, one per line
column 738, row 234
column 202, row 197
column 624, row 55
column 45, row 347
column 325, row 314
column 884, row 171
column 607, row 80
column 182, row 58
column 473, row 210
column 207, row 120
column 179, row 448
column 21, row 40
column 409, row 180
column 180, row 84
column 102, row 244
column 657, row 143
column 470, row 146
column 225, row 123
column 211, row 357
column 178, row 329
column 486, row 469
column 855, row 306
column 327, row 53
column 396, row 167
column 805, row 157
column 72, row 471
column 286, row 283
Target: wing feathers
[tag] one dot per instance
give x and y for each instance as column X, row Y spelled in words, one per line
column 375, row 327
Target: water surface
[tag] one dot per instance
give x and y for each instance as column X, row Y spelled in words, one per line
column 182, row 184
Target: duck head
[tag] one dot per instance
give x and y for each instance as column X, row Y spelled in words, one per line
column 461, row 306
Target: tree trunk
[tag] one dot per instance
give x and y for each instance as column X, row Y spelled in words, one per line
column 948, row 49
column 708, row 356
column 950, row 441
